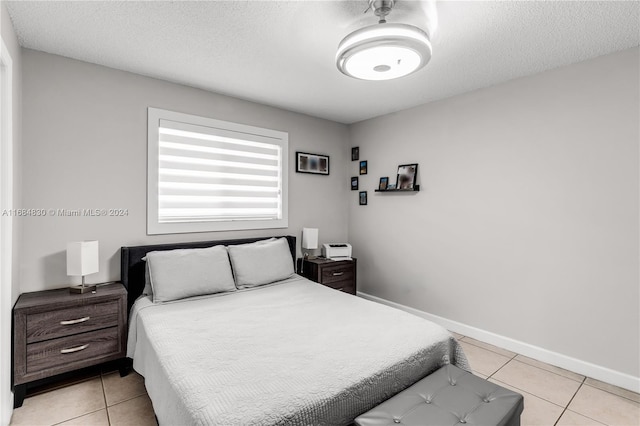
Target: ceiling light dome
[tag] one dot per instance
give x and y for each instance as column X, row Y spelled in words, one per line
column 383, row 51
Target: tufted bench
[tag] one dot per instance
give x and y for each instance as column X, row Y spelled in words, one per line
column 448, row 397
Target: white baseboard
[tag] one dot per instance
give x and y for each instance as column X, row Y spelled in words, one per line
column 585, row 368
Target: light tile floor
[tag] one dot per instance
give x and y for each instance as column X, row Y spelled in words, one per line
column 552, row 396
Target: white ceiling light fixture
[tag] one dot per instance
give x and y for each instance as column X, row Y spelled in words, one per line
column 383, row 51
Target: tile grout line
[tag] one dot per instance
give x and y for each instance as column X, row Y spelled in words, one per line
column 564, row 410
column 56, row 387
column 513, row 358
column 104, row 395
column 502, row 366
column 553, row 372
column 537, row 396
column 76, row 417
column 487, row 349
column 609, row 392
column 527, row 392
column 72, row 384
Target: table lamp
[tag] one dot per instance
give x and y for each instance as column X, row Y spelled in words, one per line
column 82, row 259
column 309, row 240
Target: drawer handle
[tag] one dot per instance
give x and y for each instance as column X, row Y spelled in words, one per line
column 76, row 349
column 75, row 321
column 337, row 274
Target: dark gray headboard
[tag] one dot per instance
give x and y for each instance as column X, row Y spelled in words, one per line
column 132, row 265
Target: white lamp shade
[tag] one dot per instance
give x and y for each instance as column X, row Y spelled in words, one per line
column 309, row 238
column 82, row 258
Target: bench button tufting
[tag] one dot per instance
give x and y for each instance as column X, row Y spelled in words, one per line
column 449, row 403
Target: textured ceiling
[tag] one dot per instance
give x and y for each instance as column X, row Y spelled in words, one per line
column 281, row 53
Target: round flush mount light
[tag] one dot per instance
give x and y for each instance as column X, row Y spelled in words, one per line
column 383, row 52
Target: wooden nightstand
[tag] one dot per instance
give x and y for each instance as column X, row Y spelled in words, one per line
column 340, row 274
column 55, row 332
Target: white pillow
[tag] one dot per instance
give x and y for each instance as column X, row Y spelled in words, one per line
column 260, row 263
column 176, row 274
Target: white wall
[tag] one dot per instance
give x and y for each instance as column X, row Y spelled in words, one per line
column 526, row 224
column 11, row 43
column 9, row 37
column 85, row 145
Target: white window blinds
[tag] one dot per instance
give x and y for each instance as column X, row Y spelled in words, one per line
column 214, row 175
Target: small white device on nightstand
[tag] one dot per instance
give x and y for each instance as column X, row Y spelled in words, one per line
column 337, row 251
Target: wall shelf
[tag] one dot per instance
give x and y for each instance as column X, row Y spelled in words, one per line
column 416, row 188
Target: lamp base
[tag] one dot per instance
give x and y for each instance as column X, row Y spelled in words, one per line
column 78, row 289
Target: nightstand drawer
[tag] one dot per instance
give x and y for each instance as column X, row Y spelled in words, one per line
column 340, row 275
column 70, row 321
column 345, row 286
column 332, row 274
column 66, row 350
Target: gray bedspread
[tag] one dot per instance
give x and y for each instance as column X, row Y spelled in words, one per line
column 293, row 353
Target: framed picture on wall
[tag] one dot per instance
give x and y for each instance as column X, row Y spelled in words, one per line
column 355, row 153
column 384, row 183
column 354, row 183
column 407, row 174
column 363, row 167
column 312, row 163
column 363, row 198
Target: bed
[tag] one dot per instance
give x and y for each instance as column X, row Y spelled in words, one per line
column 290, row 352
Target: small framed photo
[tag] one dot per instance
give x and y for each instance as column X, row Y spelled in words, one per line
column 312, row 163
column 354, row 183
column 363, row 198
column 391, row 186
column 363, row 167
column 384, row 183
column 355, row 153
column 407, row 174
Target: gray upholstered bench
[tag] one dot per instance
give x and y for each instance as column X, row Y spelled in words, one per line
column 448, row 396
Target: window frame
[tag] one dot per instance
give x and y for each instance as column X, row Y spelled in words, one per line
column 155, row 227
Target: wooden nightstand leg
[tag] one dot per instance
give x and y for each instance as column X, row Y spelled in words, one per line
column 19, row 392
column 125, row 366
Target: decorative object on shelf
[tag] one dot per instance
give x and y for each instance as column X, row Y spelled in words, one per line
column 384, row 183
column 383, row 51
column 354, row 183
column 312, row 163
column 82, row 259
column 363, row 167
column 391, row 187
column 355, row 153
column 309, row 241
column 407, row 174
column 363, row 198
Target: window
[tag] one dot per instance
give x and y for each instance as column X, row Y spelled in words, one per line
column 211, row 175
